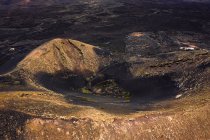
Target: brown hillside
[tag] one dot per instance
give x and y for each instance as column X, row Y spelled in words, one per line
column 61, row 55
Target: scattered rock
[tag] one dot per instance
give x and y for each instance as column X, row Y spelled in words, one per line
column 187, row 48
column 12, row 49
column 178, row 96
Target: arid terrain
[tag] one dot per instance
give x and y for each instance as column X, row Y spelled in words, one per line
column 104, row 69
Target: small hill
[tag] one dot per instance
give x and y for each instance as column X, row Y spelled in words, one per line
column 61, row 55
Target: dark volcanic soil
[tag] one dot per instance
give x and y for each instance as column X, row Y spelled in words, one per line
column 99, row 23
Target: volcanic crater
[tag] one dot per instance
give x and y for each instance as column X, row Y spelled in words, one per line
column 152, row 84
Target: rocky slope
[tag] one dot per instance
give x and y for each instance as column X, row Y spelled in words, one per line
column 162, row 78
column 177, row 56
column 45, row 116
